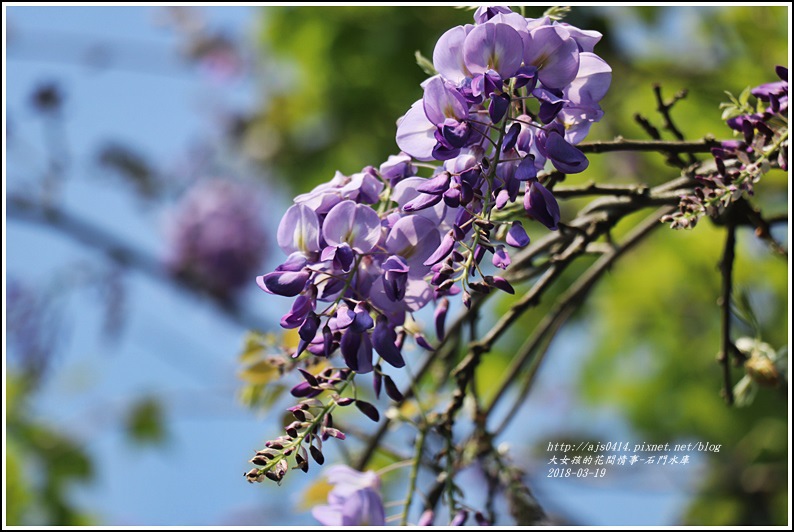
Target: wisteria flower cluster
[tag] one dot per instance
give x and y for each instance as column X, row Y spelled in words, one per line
column 512, row 96
column 763, row 141
column 217, row 236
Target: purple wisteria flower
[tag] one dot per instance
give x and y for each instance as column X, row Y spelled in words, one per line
column 364, row 252
column 216, row 236
column 354, row 500
column 511, row 98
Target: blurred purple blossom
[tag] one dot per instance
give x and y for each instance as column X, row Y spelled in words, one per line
column 216, row 236
column 354, row 500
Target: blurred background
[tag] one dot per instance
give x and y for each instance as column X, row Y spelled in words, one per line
column 150, row 153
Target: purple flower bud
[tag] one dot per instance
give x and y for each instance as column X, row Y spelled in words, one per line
column 517, row 236
column 395, row 276
column 357, row 351
column 466, row 298
column 498, row 107
column 423, row 201
column 501, row 284
column 511, row 137
column 481, row 520
column 300, row 309
column 384, row 340
column 377, row 383
column 435, row 185
column 501, row 259
column 460, row 518
column 443, row 250
column 328, row 341
column 363, row 321
column 541, row 205
column 368, row 409
column 304, row 389
column 526, row 169
column 392, row 390
column 421, row 341
column 482, row 15
column 426, row 519
column 565, row 157
column 440, row 317
column 344, row 316
column 308, row 377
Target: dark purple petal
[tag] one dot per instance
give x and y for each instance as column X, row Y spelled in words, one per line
column 455, row 133
column 540, row 204
column 422, row 202
column 384, row 340
column 501, row 259
column 392, row 390
column 498, row 107
column 344, row 316
column 288, row 284
column 517, row 236
column 363, row 321
column 351, row 341
column 364, row 355
column 435, row 185
column 526, row 169
column 511, row 137
column 368, row 409
column 443, row 250
column 501, row 284
column 328, row 341
column 527, row 76
column 300, row 309
column 294, row 263
column 421, row 341
column 440, row 317
column 565, row 157
column 309, row 328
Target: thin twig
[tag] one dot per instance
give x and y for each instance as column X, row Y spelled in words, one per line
column 674, row 147
column 664, row 109
column 568, row 302
column 726, row 268
column 646, row 125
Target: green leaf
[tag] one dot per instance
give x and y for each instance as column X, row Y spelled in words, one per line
column 145, row 423
column 425, row 64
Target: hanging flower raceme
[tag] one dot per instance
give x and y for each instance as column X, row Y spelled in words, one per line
column 511, row 99
column 217, row 236
column 763, row 142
